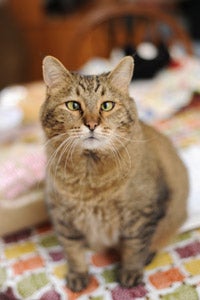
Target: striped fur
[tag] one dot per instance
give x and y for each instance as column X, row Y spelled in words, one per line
column 112, row 181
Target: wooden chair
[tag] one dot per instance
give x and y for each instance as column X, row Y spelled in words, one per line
column 118, row 25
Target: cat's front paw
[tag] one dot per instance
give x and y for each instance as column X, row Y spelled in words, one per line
column 129, row 278
column 77, row 281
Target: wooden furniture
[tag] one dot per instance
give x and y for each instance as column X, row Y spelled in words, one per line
column 45, row 34
column 92, row 30
column 127, row 24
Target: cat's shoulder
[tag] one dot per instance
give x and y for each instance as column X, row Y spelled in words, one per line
column 152, row 133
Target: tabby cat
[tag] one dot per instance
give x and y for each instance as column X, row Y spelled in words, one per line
column 111, row 180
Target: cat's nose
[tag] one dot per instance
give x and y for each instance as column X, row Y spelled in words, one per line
column 91, row 125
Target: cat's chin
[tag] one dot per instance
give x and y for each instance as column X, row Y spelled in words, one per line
column 91, row 143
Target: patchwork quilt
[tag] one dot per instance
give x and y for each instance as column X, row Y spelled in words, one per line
column 33, row 267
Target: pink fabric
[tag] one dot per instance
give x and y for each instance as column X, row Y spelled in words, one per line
column 19, row 174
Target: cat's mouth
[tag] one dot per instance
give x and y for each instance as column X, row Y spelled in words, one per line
column 91, row 142
column 91, row 138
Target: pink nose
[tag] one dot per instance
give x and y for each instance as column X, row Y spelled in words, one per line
column 91, row 125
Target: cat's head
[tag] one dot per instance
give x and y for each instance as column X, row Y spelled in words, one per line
column 88, row 112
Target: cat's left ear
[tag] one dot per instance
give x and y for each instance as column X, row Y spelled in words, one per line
column 54, row 73
column 122, row 74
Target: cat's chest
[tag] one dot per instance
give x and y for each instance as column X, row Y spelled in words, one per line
column 100, row 225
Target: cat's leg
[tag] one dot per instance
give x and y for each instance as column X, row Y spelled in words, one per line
column 132, row 263
column 73, row 244
column 77, row 274
column 135, row 253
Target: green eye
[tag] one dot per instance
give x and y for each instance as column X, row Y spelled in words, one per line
column 73, row 105
column 107, row 106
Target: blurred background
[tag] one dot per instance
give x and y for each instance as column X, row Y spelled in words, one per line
column 31, row 29
column 91, row 36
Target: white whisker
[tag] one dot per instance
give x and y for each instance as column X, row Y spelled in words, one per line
column 117, row 155
column 69, row 149
column 53, row 138
column 132, row 140
column 54, row 154
column 125, row 148
column 63, row 151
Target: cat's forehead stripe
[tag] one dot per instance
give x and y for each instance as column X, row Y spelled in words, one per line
column 91, row 83
column 103, row 91
column 82, row 85
column 97, row 84
column 78, row 91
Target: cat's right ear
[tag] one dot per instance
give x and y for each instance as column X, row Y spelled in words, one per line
column 122, row 74
column 54, row 73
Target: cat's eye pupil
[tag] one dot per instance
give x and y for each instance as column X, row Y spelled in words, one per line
column 107, row 106
column 73, row 105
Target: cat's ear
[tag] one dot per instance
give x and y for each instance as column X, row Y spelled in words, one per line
column 54, row 73
column 122, row 74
